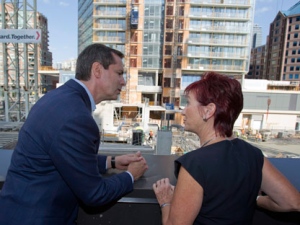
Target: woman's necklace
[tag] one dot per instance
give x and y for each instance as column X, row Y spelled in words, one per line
column 205, row 143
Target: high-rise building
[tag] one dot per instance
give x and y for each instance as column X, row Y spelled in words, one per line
column 279, row 58
column 257, row 63
column 169, row 43
column 283, row 46
column 256, row 36
column 67, row 65
column 45, row 56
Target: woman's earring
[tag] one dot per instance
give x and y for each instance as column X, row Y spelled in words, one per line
column 204, row 119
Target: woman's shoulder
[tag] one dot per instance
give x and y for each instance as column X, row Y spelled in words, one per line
column 242, row 143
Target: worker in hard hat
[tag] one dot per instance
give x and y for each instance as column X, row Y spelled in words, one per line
column 151, row 134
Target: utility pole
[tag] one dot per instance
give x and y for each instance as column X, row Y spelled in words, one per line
column 19, row 73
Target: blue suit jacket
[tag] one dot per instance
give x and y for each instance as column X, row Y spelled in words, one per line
column 55, row 163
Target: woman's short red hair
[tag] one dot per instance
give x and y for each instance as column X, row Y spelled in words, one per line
column 225, row 93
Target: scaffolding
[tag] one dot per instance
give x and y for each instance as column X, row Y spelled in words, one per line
column 132, row 18
column 19, row 87
column 174, row 55
column 127, row 62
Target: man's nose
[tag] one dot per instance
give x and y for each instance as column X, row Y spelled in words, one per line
column 123, row 81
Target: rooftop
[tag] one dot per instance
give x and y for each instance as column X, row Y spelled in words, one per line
column 294, row 10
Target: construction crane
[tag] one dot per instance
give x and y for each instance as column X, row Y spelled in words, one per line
column 19, row 72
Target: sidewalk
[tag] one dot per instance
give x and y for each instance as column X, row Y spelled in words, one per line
column 278, row 148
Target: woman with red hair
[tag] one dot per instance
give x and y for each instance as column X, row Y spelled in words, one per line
column 220, row 182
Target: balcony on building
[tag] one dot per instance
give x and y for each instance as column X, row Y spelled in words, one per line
column 149, row 82
column 222, row 3
column 110, row 2
column 109, row 12
column 109, row 24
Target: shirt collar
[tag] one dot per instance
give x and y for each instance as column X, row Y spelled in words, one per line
column 93, row 105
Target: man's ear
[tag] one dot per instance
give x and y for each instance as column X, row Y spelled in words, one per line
column 97, row 69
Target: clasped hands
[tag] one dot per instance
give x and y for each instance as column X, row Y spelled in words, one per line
column 133, row 163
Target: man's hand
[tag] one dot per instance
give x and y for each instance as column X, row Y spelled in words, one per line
column 123, row 161
column 137, row 168
column 133, row 163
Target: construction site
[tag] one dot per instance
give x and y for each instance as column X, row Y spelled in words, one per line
column 167, row 46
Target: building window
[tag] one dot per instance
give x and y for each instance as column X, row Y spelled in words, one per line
column 292, row 60
column 177, row 101
column 177, row 82
column 296, row 35
column 181, row 23
column 134, row 37
column 166, row 99
column 297, row 27
column 151, row 49
column 295, row 43
column 132, row 62
column 283, row 77
column 294, row 52
column 133, row 50
column 169, row 10
column 187, row 79
column 167, row 63
column 150, row 36
column 169, row 37
column 168, row 50
column 180, row 37
column 291, row 76
column 296, row 76
column 178, row 66
column 297, row 68
column 298, row 59
column 291, row 68
column 179, row 50
column 169, row 24
column 167, row 82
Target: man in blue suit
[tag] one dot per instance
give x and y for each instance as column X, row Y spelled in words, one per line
column 55, row 164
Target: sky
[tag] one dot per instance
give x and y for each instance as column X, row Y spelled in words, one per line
column 266, row 11
column 63, row 16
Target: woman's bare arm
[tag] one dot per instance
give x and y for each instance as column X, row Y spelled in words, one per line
column 185, row 202
column 282, row 196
